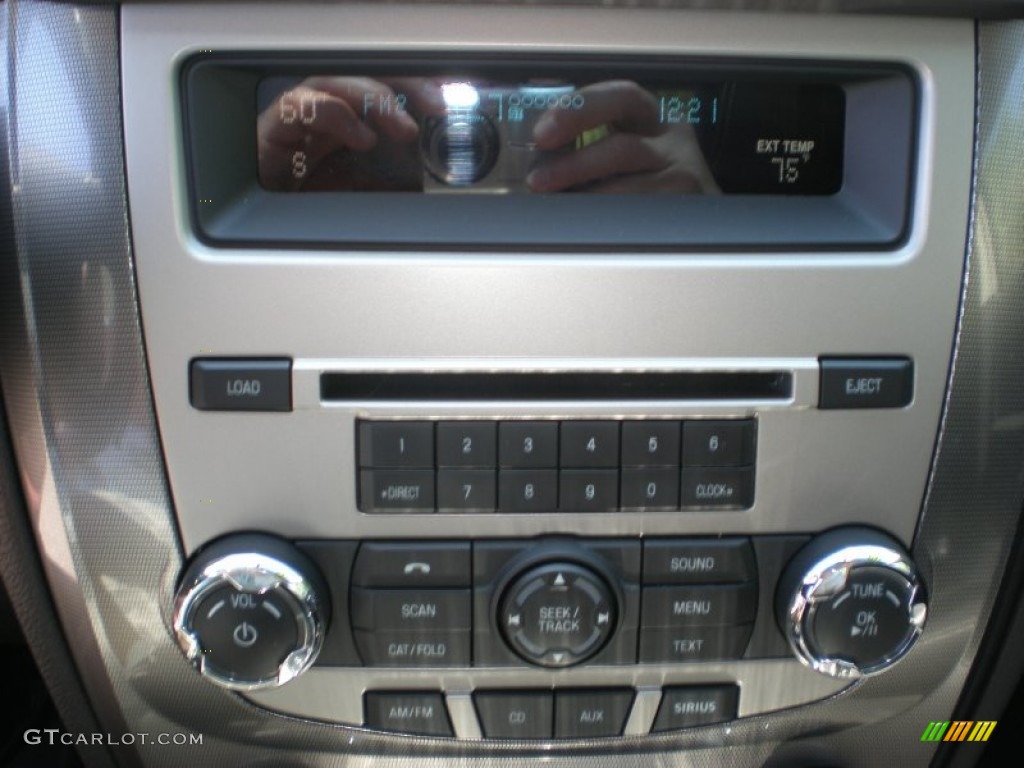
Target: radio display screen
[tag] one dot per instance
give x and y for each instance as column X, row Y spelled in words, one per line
column 467, row 134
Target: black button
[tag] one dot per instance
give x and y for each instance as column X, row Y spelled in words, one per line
column 694, row 643
column 241, row 385
column 718, row 443
column 396, row 444
column 699, row 705
column 588, row 490
column 396, row 490
column 557, row 614
column 467, row 444
column 411, row 609
column 650, row 443
column 528, row 490
column 698, row 561
column 395, row 648
column 689, row 606
column 866, row 383
column 419, row 713
column 590, row 444
column 461, row 490
column 528, row 443
column 244, row 634
column 517, row 715
column 591, row 713
column 718, row 488
column 650, row 488
column 422, row 564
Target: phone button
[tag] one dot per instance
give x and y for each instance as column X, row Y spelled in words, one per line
column 417, row 564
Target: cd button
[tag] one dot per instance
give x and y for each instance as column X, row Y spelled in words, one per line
column 515, row 715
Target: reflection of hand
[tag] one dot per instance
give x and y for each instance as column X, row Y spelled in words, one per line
column 638, row 154
column 322, row 115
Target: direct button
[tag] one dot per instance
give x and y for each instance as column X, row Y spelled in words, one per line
column 518, row 715
column 396, row 490
column 241, row 385
column 650, row 443
column 590, row 444
column 866, row 383
column 698, row 561
column 699, row 705
column 420, row 713
column 591, row 714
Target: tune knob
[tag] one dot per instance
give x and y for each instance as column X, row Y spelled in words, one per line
column 251, row 612
column 851, row 603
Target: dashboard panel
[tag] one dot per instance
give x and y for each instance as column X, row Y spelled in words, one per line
column 720, row 472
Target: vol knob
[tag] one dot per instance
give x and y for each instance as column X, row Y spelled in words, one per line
column 851, row 603
column 251, row 612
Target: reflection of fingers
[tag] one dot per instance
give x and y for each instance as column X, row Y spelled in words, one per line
column 333, row 124
column 617, row 155
column 372, row 101
column 674, row 180
column 621, row 103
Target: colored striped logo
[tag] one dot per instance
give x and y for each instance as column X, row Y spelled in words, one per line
column 959, row 730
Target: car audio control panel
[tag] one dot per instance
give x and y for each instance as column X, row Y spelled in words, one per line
column 589, row 393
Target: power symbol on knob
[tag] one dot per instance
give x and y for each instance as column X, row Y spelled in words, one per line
column 245, row 635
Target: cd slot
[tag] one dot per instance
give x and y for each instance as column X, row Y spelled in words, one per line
column 573, row 386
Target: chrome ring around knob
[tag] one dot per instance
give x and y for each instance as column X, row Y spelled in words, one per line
column 825, row 578
column 254, row 572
